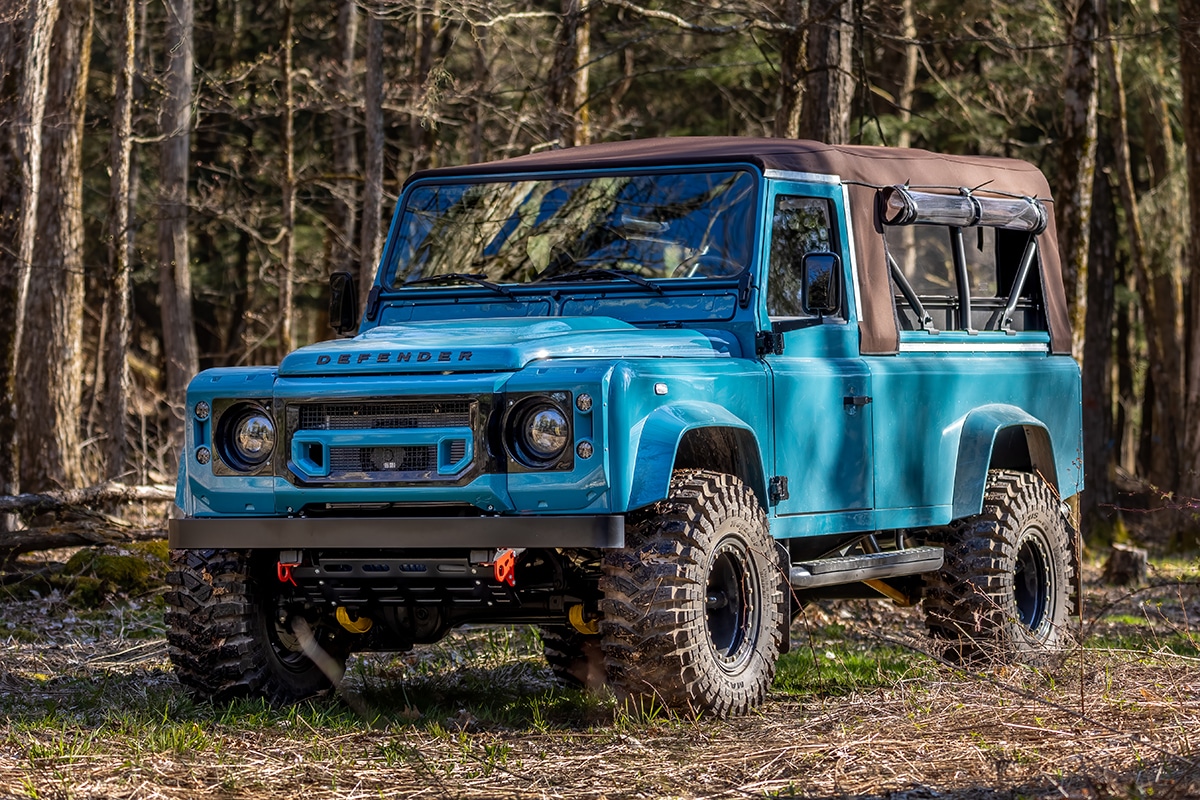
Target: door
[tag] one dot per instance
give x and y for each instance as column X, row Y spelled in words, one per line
column 821, row 388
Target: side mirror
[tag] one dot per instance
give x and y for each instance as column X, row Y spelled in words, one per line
column 343, row 302
column 821, row 283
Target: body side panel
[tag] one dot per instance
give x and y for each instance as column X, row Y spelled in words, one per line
column 923, row 402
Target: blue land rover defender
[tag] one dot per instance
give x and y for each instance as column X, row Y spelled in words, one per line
column 650, row 396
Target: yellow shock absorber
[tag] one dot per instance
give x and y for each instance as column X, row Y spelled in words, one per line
column 356, row 625
column 887, row 590
column 586, row 627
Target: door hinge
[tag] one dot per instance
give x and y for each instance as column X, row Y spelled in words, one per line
column 768, row 342
column 778, row 489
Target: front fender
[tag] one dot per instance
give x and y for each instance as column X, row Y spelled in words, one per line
column 977, row 445
column 656, row 438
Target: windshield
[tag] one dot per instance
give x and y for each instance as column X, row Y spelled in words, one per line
column 677, row 225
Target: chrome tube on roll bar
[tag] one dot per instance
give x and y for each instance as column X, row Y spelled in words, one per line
column 902, row 205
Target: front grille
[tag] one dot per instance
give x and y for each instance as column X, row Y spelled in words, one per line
column 387, row 459
column 385, row 415
column 408, row 458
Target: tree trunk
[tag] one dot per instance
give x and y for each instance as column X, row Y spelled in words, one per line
column 1189, row 67
column 33, row 109
column 829, row 84
column 791, row 71
column 373, row 177
column 116, row 334
column 1077, row 158
column 1163, row 207
column 1163, row 351
column 583, row 57
column 28, row 46
column 345, row 150
column 1126, row 433
column 50, row 362
column 1100, row 444
column 908, row 87
column 563, row 85
column 174, row 277
column 288, row 267
column 419, row 128
column 908, row 91
column 479, row 90
column 11, row 35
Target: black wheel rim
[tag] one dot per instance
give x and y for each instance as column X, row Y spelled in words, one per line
column 1031, row 581
column 732, row 613
column 286, row 646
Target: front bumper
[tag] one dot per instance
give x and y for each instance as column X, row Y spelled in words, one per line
column 296, row 533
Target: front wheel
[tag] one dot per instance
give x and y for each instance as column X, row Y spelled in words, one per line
column 692, row 605
column 225, row 638
column 1005, row 588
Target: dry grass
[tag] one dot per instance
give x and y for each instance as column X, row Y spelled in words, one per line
column 89, row 708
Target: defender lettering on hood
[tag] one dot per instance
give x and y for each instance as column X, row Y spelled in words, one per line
column 397, row 357
column 495, row 346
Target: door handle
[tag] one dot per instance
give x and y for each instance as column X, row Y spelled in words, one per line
column 855, row 400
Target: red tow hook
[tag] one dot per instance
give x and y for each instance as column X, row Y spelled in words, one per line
column 283, row 570
column 504, row 568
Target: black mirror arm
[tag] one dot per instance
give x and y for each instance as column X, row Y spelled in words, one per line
column 373, row 302
column 343, row 302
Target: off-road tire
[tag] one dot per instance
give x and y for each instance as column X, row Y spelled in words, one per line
column 1006, row 588
column 666, row 642
column 221, row 633
column 575, row 659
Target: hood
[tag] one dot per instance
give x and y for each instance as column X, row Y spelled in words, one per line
column 493, row 346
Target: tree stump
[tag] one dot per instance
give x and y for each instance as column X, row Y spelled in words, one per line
column 1125, row 566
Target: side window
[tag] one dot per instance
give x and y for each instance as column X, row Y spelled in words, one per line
column 931, row 292
column 799, row 225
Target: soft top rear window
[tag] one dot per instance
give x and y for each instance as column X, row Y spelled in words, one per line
column 683, row 225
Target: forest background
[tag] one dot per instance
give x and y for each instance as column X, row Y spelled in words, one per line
column 178, row 178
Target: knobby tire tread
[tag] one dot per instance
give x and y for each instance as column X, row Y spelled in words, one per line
column 214, row 637
column 970, row 604
column 655, row 636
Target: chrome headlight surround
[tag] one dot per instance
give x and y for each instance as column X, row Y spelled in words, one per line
column 246, row 437
column 538, row 432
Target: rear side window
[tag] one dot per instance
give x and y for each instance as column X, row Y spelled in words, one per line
column 951, row 277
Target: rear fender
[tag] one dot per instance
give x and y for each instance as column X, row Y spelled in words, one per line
column 692, row 434
column 999, row 437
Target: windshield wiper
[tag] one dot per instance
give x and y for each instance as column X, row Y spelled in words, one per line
column 458, row 277
column 602, row 272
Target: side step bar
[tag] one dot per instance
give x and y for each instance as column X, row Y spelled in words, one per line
column 870, row 566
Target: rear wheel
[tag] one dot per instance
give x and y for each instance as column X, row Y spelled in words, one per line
column 225, row 638
column 1005, row 588
column 692, row 605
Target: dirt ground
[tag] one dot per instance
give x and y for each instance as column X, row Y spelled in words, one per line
column 89, row 709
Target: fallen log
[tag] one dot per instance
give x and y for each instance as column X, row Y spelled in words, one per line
column 33, row 540
column 67, row 499
column 78, row 517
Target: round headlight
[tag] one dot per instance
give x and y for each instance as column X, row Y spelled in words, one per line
column 246, row 437
column 546, row 432
column 539, row 432
column 254, row 437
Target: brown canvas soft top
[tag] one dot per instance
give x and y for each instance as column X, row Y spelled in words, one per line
column 863, row 170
